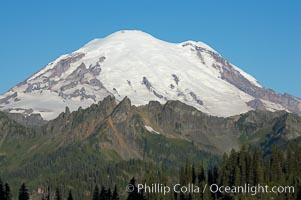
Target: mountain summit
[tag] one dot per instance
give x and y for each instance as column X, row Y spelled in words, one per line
column 143, row 68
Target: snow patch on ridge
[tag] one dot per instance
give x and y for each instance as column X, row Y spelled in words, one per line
column 150, row 129
column 273, row 106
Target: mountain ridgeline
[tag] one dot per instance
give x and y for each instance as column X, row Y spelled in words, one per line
column 110, row 142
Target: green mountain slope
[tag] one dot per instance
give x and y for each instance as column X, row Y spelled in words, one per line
column 108, row 143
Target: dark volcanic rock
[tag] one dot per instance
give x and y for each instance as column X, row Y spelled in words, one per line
column 256, row 104
column 122, row 127
column 122, row 110
column 287, row 101
column 30, row 120
column 233, row 76
column 147, row 84
column 6, row 99
column 196, row 99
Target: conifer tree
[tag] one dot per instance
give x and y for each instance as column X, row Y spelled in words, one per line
column 250, row 169
column 258, row 168
column 215, row 174
column 276, row 168
column 108, row 194
column 7, row 192
column 243, row 165
column 210, row 177
column 1, row 190
column 96, row 193
column 48, row 193
column 237, row 176
column 70, row 197
column 58, row 195
column 23, row 192
column 233, row 163
column 215, row 180
column 225, row 171
column 182, row 196
column 182, row 177
column 115, row 195
column 134, row 195
column 188, row 172
column 298, row 195
column 193, row 175
column 103, row 193
column 201, row 175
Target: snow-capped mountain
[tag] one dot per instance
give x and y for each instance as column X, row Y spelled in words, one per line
column 143, row 68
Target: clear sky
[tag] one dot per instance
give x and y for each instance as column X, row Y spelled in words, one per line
column 260, row 36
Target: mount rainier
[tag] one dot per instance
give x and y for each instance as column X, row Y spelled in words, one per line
column 143, row 68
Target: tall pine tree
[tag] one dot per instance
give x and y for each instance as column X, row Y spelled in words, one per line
column 23, row 192
column 7, row 192
column 103, row 193
column 70, row 197
column 1, row 190
column 108, row 194
column 115, row 195
column 96, row 193
column 58, row 195
column 134, row 194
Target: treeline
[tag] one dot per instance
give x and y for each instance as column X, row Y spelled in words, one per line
column 57, row 195
column 103, row 194
column 5, row 192
column 249, row 166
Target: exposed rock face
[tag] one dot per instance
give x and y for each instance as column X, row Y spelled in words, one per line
column 73, row 83
column 234, row 77
column 62, row 66
column 176, row 119
column 82, row 123
column 5, row 99
column 149, row 86
column 176, row 79
column 256, row 104
column 277, row 125
column 123, row 128
column 33, row 120
column 122, row 111
column 109, row 134
column 67, row 79
column 195, row 97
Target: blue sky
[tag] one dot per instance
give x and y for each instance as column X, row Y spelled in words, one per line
column 261, row 37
